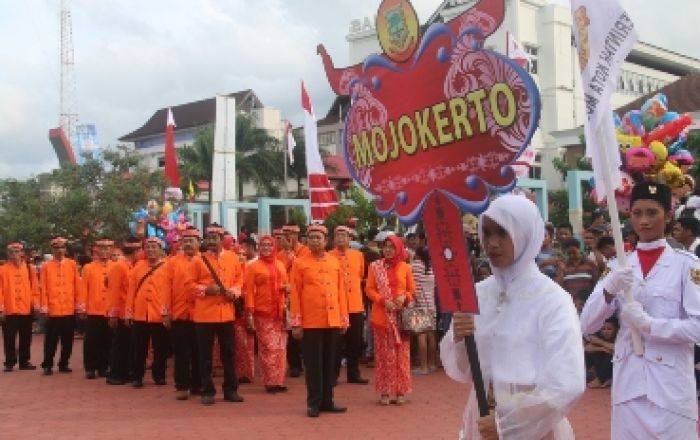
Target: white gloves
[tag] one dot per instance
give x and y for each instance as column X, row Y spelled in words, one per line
column 618, row 280
column 633, row 315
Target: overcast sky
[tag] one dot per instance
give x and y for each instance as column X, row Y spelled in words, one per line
column 135, row 56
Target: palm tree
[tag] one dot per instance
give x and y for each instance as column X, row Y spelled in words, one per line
column 258, row 160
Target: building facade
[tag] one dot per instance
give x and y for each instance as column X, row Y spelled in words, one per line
column 545, row 31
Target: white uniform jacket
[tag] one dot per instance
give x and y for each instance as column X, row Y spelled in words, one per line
column 670, row 294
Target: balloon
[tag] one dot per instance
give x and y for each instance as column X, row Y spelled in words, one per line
column 682, row 157
column 632, row 123
column 653, row 110
column 167, row 209
column 639, row 160
column 617, row 121
column 669, row 117
column 626, row 142
column 660, row 152
column 671, row 174
column 668, row 133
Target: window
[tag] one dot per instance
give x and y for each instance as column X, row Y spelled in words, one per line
column 325, row 139
column 161, row 162
column 533, row 65
column 621, row 84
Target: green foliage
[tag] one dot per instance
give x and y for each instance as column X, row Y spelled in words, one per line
column 297, row 216
column 258, row 158
column 358, row 206
column 558, row 207
column 82, row 202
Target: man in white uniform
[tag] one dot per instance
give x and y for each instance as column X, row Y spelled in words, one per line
column 527, row 332
column 653, row 395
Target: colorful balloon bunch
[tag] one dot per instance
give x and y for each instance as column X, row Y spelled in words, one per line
column 652, row 142
column 166, row 223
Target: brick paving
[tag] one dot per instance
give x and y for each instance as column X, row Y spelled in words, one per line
column 67, row 406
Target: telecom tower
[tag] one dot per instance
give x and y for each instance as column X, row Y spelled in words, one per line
column 68, row 117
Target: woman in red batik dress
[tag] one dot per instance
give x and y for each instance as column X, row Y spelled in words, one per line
column 390, row 287
column 265, row 288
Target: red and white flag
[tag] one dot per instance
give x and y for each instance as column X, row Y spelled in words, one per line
column 516, row 52
column 291, row 143
column 171, row 171
column 322, row 196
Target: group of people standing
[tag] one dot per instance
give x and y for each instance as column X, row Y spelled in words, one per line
column 293, row 301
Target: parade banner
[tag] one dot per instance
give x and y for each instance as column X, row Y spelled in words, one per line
column 434, row 126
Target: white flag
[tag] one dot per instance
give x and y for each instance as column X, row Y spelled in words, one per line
column 291, row 143
column 604, row 36
column 516, row 52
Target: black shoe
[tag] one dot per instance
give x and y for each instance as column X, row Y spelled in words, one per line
column 333, row 409
column 111, row 381
column 137, row 384
column 281, row 388
column 196, row 392
column 312, row 412
column 233, row 397
column 271, row 389
column 294, row 372
column 7, row 369
column 160, row 382
column 244, row 380
column 102, row 373
column 359, row 380
column 65, row 370
column 48, row 371
column 27, row 366
column 207, row 400
column 90, row 375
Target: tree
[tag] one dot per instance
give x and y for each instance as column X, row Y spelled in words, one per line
column 81, row 202
column 298, row 169
column 258, row 158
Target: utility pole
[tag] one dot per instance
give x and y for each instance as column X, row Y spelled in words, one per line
column 68, row 116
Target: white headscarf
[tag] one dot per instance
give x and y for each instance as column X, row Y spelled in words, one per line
column 522, row 221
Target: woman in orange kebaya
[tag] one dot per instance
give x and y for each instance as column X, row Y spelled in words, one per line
column 244, row 334
column 265, row 289
column 390, row 287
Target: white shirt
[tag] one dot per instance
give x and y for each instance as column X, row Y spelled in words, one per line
column 530, row 348
column 694, row 245
column 671, row 296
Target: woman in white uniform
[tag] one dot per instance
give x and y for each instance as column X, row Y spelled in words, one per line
column 653, row 395
column 527, row 333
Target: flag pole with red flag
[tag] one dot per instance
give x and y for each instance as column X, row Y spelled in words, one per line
column 172, row 173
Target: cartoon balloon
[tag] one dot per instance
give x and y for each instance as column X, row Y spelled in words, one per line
column 639, row 160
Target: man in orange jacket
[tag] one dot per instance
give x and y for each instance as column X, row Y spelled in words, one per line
column 60, row 284
column 148, row 311
column 19, row 294
column 92, row 308
column 181, row 266
column 216, row 290
column 291, row 250
column 319, row 315
column 352, row 268
column 117, row 290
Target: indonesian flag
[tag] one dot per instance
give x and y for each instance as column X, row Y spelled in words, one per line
column 291, row 143
column 516, row 51
column 322, row 196
column 171, row 171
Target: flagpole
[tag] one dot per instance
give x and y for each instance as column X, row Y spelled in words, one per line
column 616, row 229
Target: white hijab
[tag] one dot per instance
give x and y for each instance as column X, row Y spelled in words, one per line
column 522, row 221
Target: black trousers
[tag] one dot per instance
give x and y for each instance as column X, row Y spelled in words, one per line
column 223, row 331
column 96, row 343
column 350, row 346
column 158, row 335
column 120, row 353
column 602, row 364
column 58, row 327
column 318, row 346
column 293, row 352
column 184, row 342
column 12, row 326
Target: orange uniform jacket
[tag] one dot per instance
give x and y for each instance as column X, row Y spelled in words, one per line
column 152, row 300
column 288, row 256
column 118, row 288
column 93, row 298
column 60, row 285
column 258, row 288
column 182, row 292
column 318, row 295
column 352, row 267
column 405, row 285
column 19, row 289
column 228, row 269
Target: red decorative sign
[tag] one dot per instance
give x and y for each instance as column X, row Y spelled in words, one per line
column 439, row 131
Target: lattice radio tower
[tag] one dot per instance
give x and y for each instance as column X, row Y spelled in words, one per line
column 68, row 117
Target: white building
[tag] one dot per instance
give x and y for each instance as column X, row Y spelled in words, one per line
column 545, row 30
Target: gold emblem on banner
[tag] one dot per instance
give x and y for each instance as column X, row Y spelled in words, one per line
column 695, row 275
column 397, row 29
